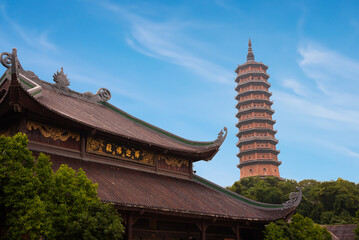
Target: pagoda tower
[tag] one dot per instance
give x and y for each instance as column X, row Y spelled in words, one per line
column 258, row 155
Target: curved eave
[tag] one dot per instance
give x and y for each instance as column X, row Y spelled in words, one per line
column 251, row 63
column 251, row 73
column 258, row 150
column 252, row 82
column 260, row 120
column 259, row 129
column 255, row 109
column 258, row 162
column 285, row 208
column 257, row 91
column 257, row 139
column 248, row 101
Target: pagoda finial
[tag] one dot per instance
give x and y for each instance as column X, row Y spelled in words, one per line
column 250, row 55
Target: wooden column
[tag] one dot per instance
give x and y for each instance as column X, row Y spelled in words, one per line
column 237, row 231
column 203, row 228
column 129, row 227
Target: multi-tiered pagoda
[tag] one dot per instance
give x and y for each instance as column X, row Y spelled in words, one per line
column 257, row 144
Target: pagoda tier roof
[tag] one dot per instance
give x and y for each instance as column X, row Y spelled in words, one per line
column 90, row 113
column 257, row 139
column 251, row 63
column 255, row 119
column 254, row 91
column 259, row 161
column 251, row 73
column 255, row 109
column 252, row 82
column 133, row 189
column 253, row 130
column 247, row 101
column 261, row 150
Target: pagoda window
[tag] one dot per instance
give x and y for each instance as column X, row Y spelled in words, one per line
column 264, row 170
column 250, row 170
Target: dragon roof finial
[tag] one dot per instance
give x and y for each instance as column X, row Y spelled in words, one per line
column 61, row 80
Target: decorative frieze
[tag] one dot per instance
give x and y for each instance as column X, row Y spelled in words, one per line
column 53, row 132
column 103, row 147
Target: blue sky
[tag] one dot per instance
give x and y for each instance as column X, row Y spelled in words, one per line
column 171, row 63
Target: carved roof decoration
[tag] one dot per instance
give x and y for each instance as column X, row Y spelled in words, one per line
column 92, row 111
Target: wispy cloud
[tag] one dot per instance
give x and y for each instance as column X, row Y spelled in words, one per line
column 330, row 69
column 38, row 40
column 162, row 40
column 296, row 87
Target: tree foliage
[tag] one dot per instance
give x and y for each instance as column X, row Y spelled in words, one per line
column 300, row 228
column 37, row 203
column 330, row 202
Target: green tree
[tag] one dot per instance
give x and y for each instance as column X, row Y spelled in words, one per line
column 330, row 202
column 300, row 228
column 37, row 203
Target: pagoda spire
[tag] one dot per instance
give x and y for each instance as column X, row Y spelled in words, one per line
column 250, row 55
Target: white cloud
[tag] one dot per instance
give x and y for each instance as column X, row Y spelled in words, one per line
column 162, row 40
column 331, row 70
column 38, row 40
column 296, row 86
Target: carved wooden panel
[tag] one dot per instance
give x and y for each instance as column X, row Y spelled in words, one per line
column 174, row 164
column 61, row 137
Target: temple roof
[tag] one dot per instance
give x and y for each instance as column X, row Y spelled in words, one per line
column 93, row 112
column 128, row 188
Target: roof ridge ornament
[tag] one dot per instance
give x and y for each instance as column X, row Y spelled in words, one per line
column 221, row 136
column 294, row 199
column 250, row 55
column 10, row 60
column 62, row 83
column 61, row 80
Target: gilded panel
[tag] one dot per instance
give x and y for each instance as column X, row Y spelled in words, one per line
column 121, row 151
column 174, row 161
column 53, row 132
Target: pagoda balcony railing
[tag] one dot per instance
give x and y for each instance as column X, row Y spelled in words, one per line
column 258, row 150
column 257, row 129
column 252, row 81
column 259, row 161
column 258, row 119
column 255, row 109
column 248, row 92
column 255, row 100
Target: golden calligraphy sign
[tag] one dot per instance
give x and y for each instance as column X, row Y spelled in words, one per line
column 53, row 132
column 105, row 148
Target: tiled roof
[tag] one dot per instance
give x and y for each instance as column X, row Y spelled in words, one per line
column 138, row 189
column 106, row 118
column 342, row 232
